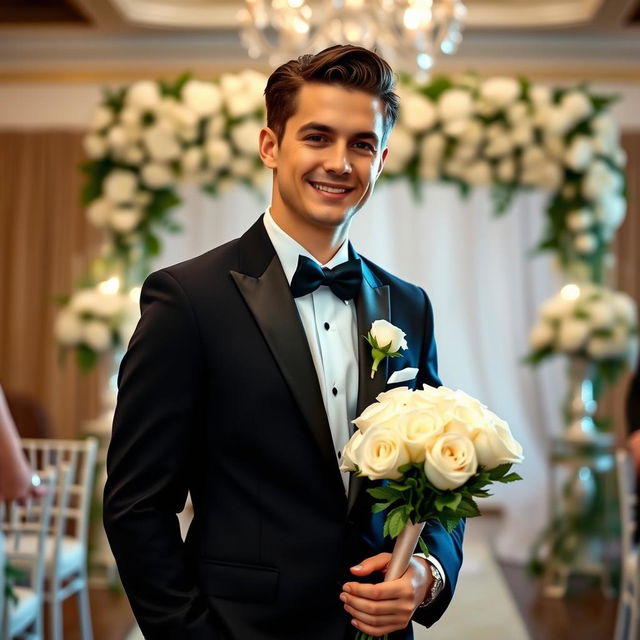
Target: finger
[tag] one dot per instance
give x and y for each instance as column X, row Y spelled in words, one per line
column 392, row 590
column 372, row 630
column 372, row 607
column 374, row 621
column 369, row 565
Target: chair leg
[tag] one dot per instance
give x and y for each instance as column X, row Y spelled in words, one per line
column 84, row 609
column 55, row 618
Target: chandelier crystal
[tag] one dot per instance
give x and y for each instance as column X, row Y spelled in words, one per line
column 403, row 31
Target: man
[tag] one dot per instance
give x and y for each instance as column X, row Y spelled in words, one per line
column 240, row 384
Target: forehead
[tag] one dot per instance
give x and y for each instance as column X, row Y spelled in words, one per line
column 337, row 107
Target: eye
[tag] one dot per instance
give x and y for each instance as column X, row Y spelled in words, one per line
column 365, row 146
column 315, row 137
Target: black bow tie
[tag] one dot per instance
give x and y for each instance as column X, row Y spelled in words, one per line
column 344, row 280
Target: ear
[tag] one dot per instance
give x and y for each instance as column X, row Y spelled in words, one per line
column 268, row 148
column 383, row 157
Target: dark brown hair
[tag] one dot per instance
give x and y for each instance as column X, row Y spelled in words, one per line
column 345, row 65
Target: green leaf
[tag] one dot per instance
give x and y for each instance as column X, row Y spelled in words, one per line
column 423, row 547
column 87, row 358
column 467, row 509
column 384, row 493
column 380, row 506
column 396, row 521
column 451, row 501
column 499, row 471
column 512, row 477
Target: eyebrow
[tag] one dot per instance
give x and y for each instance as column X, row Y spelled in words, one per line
column 317, row 126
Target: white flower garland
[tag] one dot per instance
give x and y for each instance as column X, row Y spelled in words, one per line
column 502, row 132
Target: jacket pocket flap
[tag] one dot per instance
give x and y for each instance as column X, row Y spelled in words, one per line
column 246, row 583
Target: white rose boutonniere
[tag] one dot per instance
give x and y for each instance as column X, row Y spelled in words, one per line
column 385, row 340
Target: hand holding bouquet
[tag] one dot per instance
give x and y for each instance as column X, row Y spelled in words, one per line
column 436, row 451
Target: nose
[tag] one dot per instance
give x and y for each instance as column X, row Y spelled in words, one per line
column 337, row 159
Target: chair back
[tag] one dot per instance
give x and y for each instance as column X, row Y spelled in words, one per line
column 25, row 527
column 627, row 615
column 80, row 457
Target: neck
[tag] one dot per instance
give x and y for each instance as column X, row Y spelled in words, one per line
column 322, row 242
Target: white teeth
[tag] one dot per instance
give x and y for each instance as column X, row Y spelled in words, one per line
column 322, row 187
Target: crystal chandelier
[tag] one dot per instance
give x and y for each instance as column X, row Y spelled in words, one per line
column 403, row 31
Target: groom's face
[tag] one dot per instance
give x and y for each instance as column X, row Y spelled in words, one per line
column 329, row 157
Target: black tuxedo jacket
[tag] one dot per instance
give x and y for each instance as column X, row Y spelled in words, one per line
column 218, row 395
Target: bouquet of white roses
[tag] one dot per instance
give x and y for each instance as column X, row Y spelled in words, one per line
column 436, row 451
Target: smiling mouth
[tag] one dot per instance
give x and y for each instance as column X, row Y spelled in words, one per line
column 330, row 189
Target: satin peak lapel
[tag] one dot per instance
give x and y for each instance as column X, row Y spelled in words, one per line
column 372, row 304
column 269, row 298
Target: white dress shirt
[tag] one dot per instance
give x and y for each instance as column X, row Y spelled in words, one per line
column 331, row 329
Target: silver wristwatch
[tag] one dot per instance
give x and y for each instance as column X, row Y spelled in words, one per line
column 436, row 586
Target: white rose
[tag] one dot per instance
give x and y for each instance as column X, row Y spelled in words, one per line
column 601, row 313
column 96, row 335
column 240, row 105
column 451, row 461
column 541, row 335
column 101, row 117
column 218, row 153
column 95, row 146
column 478, row 173
column 204, row 98
column 578, row 104
column 417, row 113
column 398, row 397
column 540, row 96
column 499, row 142
column 600, row 180
column 579, row 219
column 506, row 170
column 156, row 175
column 376, row 413
column 215, row 127
column 241, row 166
column 182, row 116
column 432, row 148
column 124, row 219
column 522, row 134
column 245, row 136
column 132, row 155
column 500, row 91
column 98, row 212
column 455, row 104
column 381, row 453
column 131, row 116
column 495, row 445
column 192, row 159
column 128, row 326
column 401, row 148
column 68, row 328
column 143, row 95
column 558, row 120
column 428, row 171
column 120, row 185
column 161, row 143
column 601, row 348
column 518, row 112
column 108, row 305
column 579, row 154
column 349, row 457
column 554, row 145
column 457, row 127
column 465, row 152
column 231, row 84
column 624, row 307
column 551, row 176
column 585, row 243
column 117, row 137
column 387, row 334
column 572, row 334
column 611, row 209
column 416, row 429
column 556, row 307
column 533, row 156
column 85, row 301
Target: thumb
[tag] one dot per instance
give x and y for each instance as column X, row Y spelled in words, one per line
column 374, row 563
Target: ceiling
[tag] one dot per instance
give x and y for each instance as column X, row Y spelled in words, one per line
column 132, row 36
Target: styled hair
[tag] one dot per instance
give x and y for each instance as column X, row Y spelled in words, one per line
column 348, row 66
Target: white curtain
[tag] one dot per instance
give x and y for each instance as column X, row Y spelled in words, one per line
column 485, row 289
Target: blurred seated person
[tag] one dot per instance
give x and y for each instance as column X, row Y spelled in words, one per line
column 17, row 480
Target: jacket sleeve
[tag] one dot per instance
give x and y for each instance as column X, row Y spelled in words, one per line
column 447, row 548
column 148, row 465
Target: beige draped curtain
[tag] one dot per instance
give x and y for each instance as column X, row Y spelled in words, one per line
column 45, row 243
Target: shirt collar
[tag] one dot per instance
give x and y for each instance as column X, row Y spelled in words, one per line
column 288, row 249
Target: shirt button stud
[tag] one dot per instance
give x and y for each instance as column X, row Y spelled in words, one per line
column 334, row 391
column 326, row 326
